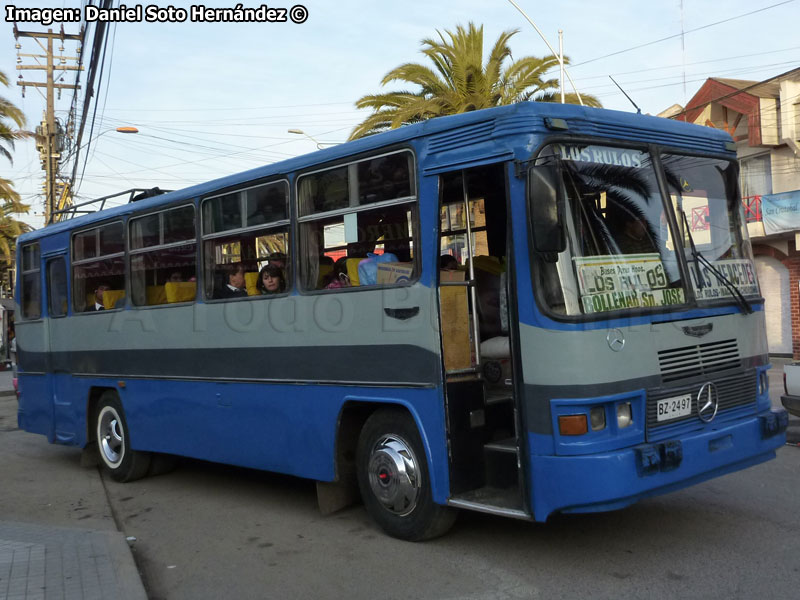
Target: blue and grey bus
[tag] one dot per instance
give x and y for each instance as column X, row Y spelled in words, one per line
column 525, row 310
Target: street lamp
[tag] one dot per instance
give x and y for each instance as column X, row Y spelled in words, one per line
column 124, row 129
column 558, row 55
column 54, row 208
column 316, row 141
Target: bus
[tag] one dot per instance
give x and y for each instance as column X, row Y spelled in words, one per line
column 525, row 310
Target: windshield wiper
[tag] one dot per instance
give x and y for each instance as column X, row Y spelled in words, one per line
column 693, row 248
column 699, row 258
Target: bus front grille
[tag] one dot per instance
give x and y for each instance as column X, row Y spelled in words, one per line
column 700, row 359
column 737, row 397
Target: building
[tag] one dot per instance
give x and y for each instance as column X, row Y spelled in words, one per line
column 764, row 120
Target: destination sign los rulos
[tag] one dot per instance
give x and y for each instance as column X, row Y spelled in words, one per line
column 603, row 155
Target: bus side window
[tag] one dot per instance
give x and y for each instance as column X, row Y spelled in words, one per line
column 57, row 287
column 31, row 293
column 249, row 227
column 98, row 265
column 162, row 248
column 338, row 224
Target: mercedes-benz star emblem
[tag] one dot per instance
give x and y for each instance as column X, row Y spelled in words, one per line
column 616, row 340
column 707, row 402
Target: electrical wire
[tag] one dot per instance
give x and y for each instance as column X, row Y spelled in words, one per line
column 677, row 35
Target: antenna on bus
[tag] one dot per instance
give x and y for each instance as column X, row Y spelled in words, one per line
column 638, row 110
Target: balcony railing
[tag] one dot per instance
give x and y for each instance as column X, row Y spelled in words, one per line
column 752, row 208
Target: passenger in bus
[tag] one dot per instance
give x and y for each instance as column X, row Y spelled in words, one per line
column 98, row 297
column 271, row 280
column 448, row 262
column 175, row 277
column 634, row 237
column 277, row 259
column 338, row 277
column 234, row 288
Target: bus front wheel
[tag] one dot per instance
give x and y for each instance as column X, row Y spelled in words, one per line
column 113, row 442
column 393, row 478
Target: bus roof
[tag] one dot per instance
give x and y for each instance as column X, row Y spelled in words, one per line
column 582, row 120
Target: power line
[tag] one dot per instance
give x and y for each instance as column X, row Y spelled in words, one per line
column 670, row 37
column 700, row 62
column 236, row 108
column 74, row 185
column 703, row 75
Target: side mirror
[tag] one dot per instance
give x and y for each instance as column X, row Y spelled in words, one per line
column 546, row 209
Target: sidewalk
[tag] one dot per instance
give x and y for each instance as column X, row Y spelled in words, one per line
column 58, row 539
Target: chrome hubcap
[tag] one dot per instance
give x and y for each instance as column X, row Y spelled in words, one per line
column 394, row 475
column 109, row 435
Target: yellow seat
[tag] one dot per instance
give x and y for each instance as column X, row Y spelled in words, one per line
column 490, row 264
column 250, row 282
column 110, row 298
column 180, row 291
column 155, row 295
column 352, row 270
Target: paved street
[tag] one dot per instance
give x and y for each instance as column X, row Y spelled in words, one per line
column 58, row 538
column 210, row 531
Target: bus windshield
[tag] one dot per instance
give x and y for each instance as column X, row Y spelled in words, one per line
column 621, row 251
column 704, row 195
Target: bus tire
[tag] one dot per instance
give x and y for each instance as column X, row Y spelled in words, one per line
column 393, row 478
column 113, row 442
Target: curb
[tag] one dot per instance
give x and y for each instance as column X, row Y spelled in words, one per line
column 70, row 563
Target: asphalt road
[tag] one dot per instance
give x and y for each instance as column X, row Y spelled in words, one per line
column 211, row 531
column 208, row 531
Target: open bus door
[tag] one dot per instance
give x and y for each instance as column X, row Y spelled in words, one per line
column 483, row 428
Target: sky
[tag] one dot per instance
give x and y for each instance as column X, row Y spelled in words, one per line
column 212, row 99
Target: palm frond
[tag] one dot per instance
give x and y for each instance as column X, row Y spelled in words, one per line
column 459, row 80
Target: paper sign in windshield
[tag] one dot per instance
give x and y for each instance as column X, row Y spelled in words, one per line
column 740, row 272
column 629, row 281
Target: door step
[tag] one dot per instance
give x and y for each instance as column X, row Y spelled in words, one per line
column 506, row 445
column 504, row 502
column 495, row 395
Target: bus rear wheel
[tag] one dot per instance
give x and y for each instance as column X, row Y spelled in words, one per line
column 113, row 442
column 393, row 478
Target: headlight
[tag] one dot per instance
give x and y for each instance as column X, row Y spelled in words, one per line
column 598, row 418
column 624, row 415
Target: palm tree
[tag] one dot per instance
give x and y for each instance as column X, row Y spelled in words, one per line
column 9, row 134
column 10, row 230
column 10, row 202
column 460, row 81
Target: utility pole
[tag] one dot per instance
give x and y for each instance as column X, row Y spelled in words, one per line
column 50, row 140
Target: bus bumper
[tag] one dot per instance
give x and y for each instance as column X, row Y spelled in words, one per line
column 612, row 480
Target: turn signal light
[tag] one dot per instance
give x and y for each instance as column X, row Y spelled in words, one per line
column 572, row 424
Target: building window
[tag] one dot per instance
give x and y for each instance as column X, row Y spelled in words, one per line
column 756, row 175
column 163, row 252
column 243, row 232
column 31, row 293
column 98, row 268
column 365, row 210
